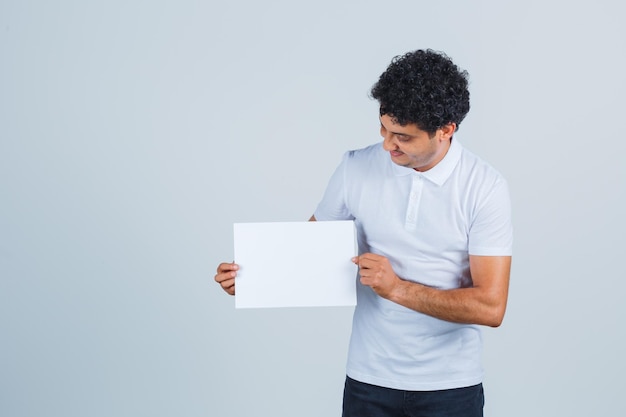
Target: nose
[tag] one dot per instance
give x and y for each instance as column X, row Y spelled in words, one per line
column 388, row 142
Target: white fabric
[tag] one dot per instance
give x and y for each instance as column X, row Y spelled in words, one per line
column 427, row 224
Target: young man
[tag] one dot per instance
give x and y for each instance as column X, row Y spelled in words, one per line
column 435, row 241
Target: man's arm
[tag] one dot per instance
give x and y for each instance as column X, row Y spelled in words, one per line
column 483, row 303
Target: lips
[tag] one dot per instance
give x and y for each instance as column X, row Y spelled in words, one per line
column 396, row 153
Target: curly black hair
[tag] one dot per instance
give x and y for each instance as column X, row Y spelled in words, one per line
column 423, row 87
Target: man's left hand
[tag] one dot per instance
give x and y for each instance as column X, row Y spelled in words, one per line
column 376, row 272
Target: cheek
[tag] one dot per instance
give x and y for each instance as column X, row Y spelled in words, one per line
column 409, row 150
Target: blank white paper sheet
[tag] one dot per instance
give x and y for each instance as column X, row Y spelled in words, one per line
column 295, row 264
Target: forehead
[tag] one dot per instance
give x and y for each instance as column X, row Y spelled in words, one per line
column 410, row 129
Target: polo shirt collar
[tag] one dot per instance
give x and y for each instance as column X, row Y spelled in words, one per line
column 440, row 172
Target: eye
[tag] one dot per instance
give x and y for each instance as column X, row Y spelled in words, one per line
column 403, row 138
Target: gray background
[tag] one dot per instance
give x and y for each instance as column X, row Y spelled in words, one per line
column 134, row 133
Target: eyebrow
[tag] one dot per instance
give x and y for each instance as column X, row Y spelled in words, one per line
column 396, row 133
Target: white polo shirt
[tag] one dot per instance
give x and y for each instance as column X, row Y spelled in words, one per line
column 427, row 224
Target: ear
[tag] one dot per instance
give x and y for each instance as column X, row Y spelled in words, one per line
column 447, row 131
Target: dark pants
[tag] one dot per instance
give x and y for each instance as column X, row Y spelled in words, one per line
column 365, row 400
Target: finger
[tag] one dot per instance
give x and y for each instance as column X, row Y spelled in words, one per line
column 366, row 263
column 224, row 267
column 367, row 274
column 227, row 284
column 372, row 257
column 223, row 276
column 230, row 290
column 367, row 281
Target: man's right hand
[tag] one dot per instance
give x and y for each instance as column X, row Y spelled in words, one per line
column 226, row 273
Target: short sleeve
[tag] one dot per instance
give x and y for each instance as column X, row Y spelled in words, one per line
column 491, row 231
column 333, row 204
